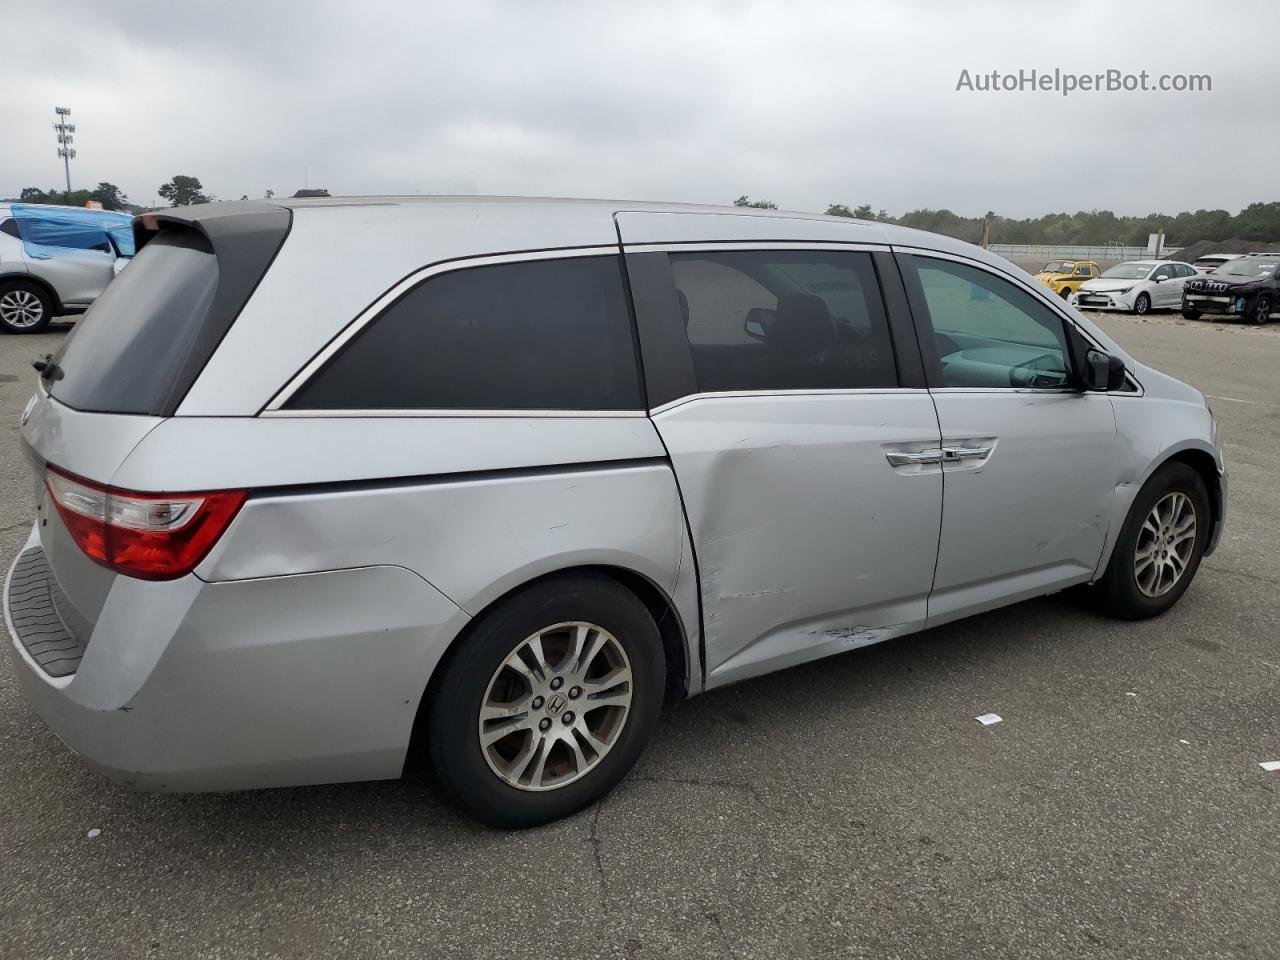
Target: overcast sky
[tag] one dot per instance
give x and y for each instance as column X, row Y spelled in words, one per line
column 801, row 103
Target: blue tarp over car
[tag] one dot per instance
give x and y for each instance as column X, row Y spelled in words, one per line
column 50, row 231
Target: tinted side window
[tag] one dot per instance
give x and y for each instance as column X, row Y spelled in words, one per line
column 534, row 335
column 988, row 332
column 779, row 320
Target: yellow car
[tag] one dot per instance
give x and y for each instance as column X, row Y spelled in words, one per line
column 1064, row 277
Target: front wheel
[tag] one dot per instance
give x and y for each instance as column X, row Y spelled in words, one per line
column 548, row 702
column 1142, row 305
column 1065, row 293
column 1160, row 546
column 1261, row 309
column 1190, row 313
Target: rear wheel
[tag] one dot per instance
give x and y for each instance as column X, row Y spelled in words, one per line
column 1142, row 305
column 1261, row 309
column 548, row 702
column 24, row 307
column 1160, row 545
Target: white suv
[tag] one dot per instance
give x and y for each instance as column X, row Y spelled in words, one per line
column 56, row 261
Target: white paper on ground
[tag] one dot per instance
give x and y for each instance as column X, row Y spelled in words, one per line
column 1270, row 765
column 987, row 719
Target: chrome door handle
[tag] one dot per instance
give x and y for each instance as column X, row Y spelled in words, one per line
column 897, row 458
column 954, row 455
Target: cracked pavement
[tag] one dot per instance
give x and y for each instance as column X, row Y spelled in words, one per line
column 848, row 807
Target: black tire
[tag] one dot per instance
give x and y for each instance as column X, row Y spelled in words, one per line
column 20, row 298
column 1065, row 293
column 452, row 739
column 1118, row 589
column 1190, row 313
column 1142, row 305
column 1261, row 310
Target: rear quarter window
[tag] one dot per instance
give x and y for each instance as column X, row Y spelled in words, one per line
column 532, row 335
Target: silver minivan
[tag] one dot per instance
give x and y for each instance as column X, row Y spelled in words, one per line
column 325, row 487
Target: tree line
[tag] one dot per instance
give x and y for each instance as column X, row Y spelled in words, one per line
column 1257, row 221
column 181, row 191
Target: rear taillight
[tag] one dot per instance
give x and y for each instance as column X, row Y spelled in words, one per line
column 154, row 536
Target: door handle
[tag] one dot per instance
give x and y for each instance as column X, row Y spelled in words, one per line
column 950, row 454
column 897, row 458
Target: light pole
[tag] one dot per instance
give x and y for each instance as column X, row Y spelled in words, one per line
column 65, row 139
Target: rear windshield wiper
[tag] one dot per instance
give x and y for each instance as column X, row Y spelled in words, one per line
column 48, row 368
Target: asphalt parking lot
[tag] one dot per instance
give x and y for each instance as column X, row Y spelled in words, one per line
column 849, row 807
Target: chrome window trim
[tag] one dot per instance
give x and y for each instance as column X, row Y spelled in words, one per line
column 777, row 394
column 371, row 312
column 695, row 246
column 1054, row 303
column 734, row 246
column 427, row 414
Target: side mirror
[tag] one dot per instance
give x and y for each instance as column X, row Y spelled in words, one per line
column 1160, row 279
column 1102, row 371
column 756, row 324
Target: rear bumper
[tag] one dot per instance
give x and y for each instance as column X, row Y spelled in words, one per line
column 278, row 681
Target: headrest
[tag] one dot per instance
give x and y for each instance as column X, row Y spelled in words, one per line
column 804, row 327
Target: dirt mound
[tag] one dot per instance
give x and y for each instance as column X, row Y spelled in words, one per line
column 1192, row 252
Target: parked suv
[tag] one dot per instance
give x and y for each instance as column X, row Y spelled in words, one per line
column 520, row 469
column 56, row 260
column 1242, row 287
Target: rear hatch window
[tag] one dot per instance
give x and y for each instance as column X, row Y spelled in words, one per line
column 122, row 356
column 148, row 337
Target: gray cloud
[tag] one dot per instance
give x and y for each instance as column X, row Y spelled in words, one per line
column 803, row 103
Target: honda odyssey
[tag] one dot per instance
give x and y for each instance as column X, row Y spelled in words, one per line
column 491, row 485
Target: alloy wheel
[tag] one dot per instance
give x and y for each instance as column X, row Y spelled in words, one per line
column 555, row 706
column 1142, row 304
column 21, row 309
column 1262, row 310
column 1165, row 544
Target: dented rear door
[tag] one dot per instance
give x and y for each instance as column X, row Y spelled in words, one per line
column 812, row 485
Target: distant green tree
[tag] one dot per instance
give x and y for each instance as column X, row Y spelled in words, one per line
column 110, row 196
column 745, row 201
column 864, row 212
column 269, row 194
column 183, row 191
column 76, row 198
